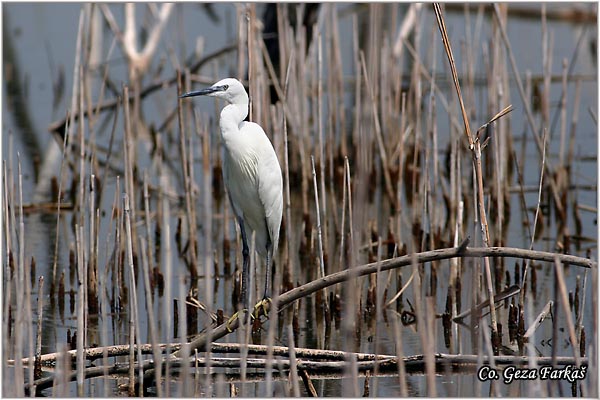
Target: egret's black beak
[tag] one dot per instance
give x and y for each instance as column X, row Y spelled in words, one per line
column 204, row 92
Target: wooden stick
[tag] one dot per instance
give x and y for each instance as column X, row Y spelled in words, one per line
column 415, row 364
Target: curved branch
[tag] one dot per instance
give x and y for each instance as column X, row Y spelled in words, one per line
column 290, row 296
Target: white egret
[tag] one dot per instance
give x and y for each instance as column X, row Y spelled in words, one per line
column 252, row 176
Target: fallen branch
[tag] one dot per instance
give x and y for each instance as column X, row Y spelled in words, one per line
column 414, row 364
column 220, row 348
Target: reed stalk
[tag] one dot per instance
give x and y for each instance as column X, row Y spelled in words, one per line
column 186, row 166
column 150, row 312
column 320, row 236
column 134, row 321
column 166, row 258
column 80, row 310
column 475, row 147
column 21, row 284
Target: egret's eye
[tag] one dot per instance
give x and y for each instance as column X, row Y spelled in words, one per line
column 226, row 87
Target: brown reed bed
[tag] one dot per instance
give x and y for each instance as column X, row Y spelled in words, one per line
column 399, row 227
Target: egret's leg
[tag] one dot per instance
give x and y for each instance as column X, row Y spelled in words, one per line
column 245, row 268
column 268, row 270
column 267, row 295
column 245, row 264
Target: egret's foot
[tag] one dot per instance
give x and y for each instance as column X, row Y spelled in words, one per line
column 262, row 305
column 244, row 314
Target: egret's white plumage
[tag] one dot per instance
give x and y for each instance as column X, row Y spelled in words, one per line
column 251, row 173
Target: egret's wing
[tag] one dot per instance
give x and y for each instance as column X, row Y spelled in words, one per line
column 270, row 187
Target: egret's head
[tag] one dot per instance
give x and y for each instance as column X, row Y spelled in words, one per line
column 228, row 89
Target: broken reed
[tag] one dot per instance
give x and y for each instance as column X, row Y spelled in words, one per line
column 383, row 163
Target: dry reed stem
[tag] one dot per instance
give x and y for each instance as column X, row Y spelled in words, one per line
column 535, row 220
column 288, row 218
column 104, row 84
column 104, row 302
column 476, row 308
column 475, row 147
column 379, row 315
column 22, row 291
column 288, row 213
column 58, row 203
column 428, row 76
column 574, row 121
column 84, row 257
column 134, row 327
column 350, row 212
column 343, row 223
column 81, row 137
column 118, row 246
column 455, row 276
column 186, row 166
column 7, row 275
column 249, row 17
column 149, row 233
column 448, row 49
column 26, row 313
column 528, row 112
column 390, row 303
column 182, row 327
column 400, row 355
column 40, row 308
column 129, row 162
column 323, row 236
column 273, row 75
column 563, row 115
column 209, row 262
column 92, row 273
column 319, row 233
column 579, row 321
column 409, row 21
column 80, row 309
column 539, row 319
column 379, row 136
column 166, row 258
column 149, row 306
column 564, row 301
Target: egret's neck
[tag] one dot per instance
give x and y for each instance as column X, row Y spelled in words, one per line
column 231, row 117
